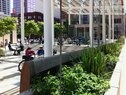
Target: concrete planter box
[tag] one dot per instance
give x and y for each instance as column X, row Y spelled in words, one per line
column 116, row 78
column 114, row 81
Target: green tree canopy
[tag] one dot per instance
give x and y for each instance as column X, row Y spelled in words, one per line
column 7, row 25
column 58, row 28
column 31, row 28
column 10, row 23
column 1, row 27
column 41, row 28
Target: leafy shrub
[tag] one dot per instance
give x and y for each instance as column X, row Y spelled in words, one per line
column 121, row 40
column 48, row 85
column 111, row 61
column 2, row 52
column 112, row 48
column 93, row 61
column 73, row 82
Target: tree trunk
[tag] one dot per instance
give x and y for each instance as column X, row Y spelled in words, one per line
column 3, row 40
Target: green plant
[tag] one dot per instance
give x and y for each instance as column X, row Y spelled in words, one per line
column 73, row 82
column 48, row 85
column 111, row 61
column 112, row 48
column 2, row 52
column 93, row 61
column 121, row 40
column 58, row 29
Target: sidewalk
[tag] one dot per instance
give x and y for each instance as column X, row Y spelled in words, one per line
column 9, row 75
column 122, row 89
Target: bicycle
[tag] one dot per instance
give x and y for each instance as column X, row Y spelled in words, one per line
column 28, row 58
column 25, row 58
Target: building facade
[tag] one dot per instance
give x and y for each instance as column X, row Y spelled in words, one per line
column 28, row 4
column 5, row 6
column 16, row 7
column 36, row 16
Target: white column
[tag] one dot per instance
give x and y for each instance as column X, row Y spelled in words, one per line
column 109, row 34
column 53, row 25
column 69, row 20
column 91, row 22
column 48, row 25
column 22, row 21
column 79, row 18
column 103, row 23
column 112, row 20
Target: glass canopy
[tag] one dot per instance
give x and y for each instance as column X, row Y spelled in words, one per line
column 83, row 6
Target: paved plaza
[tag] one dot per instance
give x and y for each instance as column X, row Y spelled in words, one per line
column 9, row 75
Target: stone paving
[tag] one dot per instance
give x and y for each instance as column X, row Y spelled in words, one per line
column 9, row 75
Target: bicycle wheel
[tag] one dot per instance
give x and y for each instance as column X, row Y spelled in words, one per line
column 20, row 65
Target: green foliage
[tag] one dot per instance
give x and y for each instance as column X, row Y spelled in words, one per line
column 2, row 52
column 111, row 61
column 88, row 77
column 7, row 25
column 121, row 40
column 31, row 28
column 1, row 27
column 93, row 61
column 41, row 28
column 58, row 29
column 48, row 85
column 74, row 82
column 112, row 48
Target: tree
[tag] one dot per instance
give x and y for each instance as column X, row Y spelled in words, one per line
column 41, row 28
column 10, row 24
column 58, row 29
column 31, row 28
column 7, row 25
column 1, row 27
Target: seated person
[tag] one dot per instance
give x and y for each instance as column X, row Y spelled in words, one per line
column 20, row 48
column 29, row 53
column 40, row 52
column 11, row 49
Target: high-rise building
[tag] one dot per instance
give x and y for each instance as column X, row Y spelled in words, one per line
column 28, row 4
column 16, row 7
column 5, row 6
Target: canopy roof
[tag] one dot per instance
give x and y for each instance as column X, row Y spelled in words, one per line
column 83, row 7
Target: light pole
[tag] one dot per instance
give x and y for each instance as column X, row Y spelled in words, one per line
column 91, row 5
column 60, row 48
column 99, row 25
